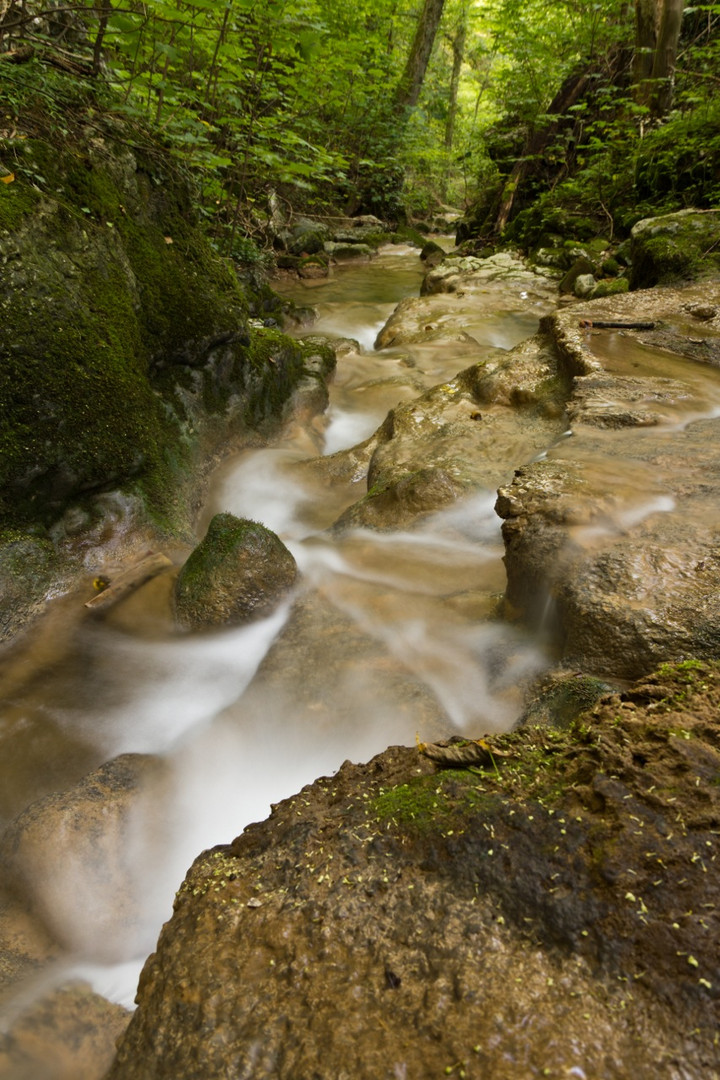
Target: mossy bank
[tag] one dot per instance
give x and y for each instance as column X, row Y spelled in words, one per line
column 128, row 353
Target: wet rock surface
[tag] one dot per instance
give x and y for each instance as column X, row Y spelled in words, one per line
column 458, row 436
column 498, row 285
column 555, row 914
column 611, row 539
column 307, row 672
column 26, row 944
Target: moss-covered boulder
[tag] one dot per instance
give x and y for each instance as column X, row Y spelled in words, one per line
column 675, row 247
column 111, row 301
column 126, row 355
column 238, row 572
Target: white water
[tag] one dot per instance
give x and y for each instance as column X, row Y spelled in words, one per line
column 130, row 684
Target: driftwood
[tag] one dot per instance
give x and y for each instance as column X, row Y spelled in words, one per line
column 597, row 324
column 150, row 565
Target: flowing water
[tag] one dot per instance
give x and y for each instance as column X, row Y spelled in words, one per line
column 389, row 638
column 400, row 646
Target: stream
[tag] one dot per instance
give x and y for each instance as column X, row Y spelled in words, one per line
column 399, row 645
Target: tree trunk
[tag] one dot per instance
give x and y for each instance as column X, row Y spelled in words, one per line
column 458, row 49
column 410, row 85
column 663, row 70
column 571, row 90
column 104, row 11
column 646, row 27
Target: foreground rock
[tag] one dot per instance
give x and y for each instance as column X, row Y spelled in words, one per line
column 553, row 916
column 611, row 538
column 240, row 571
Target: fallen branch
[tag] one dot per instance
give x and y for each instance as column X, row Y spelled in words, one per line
column 597, row 324
column 130, row 579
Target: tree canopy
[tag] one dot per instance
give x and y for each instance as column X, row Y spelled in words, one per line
column 387, row 104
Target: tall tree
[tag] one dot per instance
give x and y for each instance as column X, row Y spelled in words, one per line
column 646, row 28
column 657, row 33
column 663, row 71
column 458, row 38
column 410, row 85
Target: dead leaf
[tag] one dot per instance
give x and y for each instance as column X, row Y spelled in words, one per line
column 8, row 179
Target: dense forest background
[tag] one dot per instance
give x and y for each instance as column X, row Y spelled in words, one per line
column 515, row 111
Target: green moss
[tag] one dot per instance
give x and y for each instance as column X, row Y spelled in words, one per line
column 112, row 297
column 613, row 287
column 238, row 571
column 676, row 247
column 432, row 803
column 17, row 201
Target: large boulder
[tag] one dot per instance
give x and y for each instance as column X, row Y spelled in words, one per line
column 239, row 571
column 684, row 246
column 526, row 919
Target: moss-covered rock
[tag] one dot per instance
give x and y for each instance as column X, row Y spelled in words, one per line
column 343, row 251
column 676, row 247
column 562, row 697
column 238, row 572
column 112, row 300
column 126, row 355
column 611, row 287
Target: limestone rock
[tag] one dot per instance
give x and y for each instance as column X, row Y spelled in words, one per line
column 239, row 571
column 584, row 286
column 581, row 265
column 25, row 945
column 342, row 250
column 432, row 253
column 307, row 237
column 462, row 435
column 470, row 272
column 611, row 538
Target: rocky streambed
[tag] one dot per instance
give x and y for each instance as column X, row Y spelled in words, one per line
column 552, row 913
